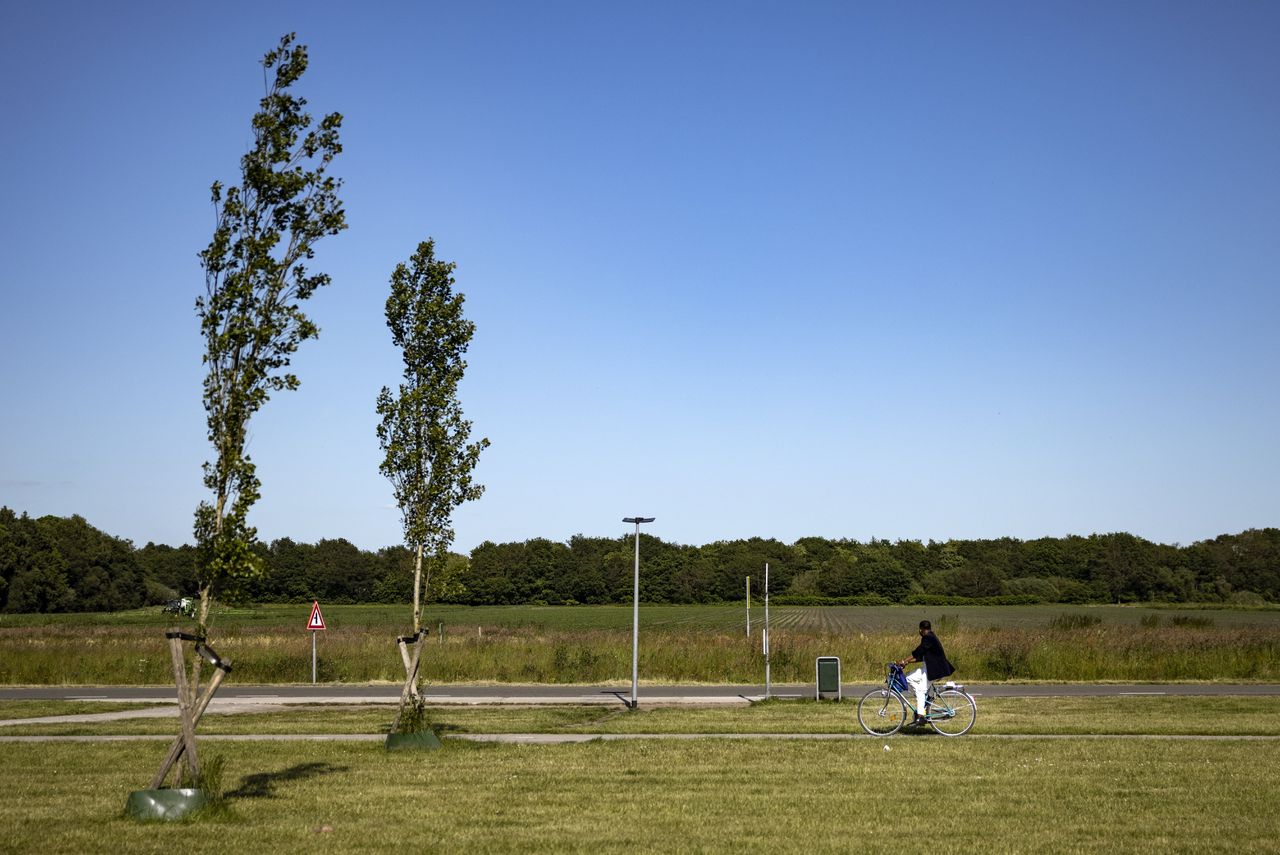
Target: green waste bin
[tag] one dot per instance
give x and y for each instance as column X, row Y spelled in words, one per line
column 828, row 668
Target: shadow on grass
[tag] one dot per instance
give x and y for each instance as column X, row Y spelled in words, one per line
column 262, row 785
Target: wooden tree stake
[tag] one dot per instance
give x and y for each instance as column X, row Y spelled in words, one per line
column 411, row 665
column 190, row 709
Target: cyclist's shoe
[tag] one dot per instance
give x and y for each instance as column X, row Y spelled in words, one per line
column 919, row 721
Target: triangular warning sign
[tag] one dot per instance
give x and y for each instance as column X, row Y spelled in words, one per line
column 316, row 621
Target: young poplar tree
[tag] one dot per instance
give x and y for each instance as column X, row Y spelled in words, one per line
column 256, row 279
column 428, row 457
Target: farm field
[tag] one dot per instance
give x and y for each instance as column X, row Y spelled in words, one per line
column 592, row 644
column 720, row 617
column 1024, row 795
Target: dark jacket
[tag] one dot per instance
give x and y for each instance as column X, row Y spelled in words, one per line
column 931, row 654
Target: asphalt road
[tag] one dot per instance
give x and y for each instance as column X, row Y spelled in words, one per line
column 535, row 694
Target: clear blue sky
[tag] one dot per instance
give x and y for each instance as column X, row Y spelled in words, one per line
column 904, row 270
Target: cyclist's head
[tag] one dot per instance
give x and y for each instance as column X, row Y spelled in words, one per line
column 925, row 626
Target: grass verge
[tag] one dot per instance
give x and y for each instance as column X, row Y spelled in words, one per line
column 15, row 709
column 1168, row 716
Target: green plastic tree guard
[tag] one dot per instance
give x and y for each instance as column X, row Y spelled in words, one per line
column 424, row 741
column 167, row 804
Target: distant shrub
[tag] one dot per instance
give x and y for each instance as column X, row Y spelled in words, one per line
column 945, row 600
column 1193, row 621
column 1031, row 586
column 1073, row 620
column 813, row 600
column 1150, row 621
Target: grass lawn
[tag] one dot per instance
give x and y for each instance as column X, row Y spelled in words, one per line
column 1188, row 715
column 654, row 796
column 11, row 709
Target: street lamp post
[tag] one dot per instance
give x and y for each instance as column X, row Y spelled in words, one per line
column 635, row 614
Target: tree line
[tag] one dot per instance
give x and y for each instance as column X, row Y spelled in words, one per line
column 1101, row 568
column 64, row 564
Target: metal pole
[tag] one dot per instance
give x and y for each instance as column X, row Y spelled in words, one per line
column 635, row 616
column 313, row 657
column 635, row 627
column 748, row 607
column 767, row 686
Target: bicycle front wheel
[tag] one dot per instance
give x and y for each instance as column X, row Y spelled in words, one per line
column 881, row 712
column 953, row 713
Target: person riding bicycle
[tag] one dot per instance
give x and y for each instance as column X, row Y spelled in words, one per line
column 936, row 666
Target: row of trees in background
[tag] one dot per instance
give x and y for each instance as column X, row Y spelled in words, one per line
column 1106, row 568
column 55, row 564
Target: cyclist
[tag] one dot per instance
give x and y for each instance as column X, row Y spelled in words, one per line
column 935, row 663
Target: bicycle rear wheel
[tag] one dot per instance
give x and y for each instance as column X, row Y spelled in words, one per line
column 881, row 712
column 953, row 713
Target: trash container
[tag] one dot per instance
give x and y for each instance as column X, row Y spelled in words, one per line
column 828, row 668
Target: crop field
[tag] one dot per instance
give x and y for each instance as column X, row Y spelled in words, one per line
column 592, row 644
column 723, row 617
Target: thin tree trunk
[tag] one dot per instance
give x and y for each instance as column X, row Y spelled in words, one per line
column 206, row 603
column 417, row 591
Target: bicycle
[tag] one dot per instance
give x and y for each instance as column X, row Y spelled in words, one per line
column 883, row 712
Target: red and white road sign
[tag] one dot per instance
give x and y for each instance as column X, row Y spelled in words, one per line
column 316, row 621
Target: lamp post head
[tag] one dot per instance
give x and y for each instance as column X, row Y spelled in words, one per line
column 638, row 520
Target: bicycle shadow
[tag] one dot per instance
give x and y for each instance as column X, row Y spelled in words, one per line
column 262, row 785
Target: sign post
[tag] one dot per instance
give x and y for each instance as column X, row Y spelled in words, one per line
column 315, row 623
column 768, row 689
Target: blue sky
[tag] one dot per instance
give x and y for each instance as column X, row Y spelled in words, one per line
column 924, row 270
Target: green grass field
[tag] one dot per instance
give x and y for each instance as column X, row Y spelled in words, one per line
column 592, row 644
column 1013, row 785
column 1026, row 795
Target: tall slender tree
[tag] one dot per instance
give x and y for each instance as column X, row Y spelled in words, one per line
column 429, row 459
column 256, row 279
column 251, row 317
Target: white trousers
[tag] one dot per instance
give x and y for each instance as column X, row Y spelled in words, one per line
column 919, row 681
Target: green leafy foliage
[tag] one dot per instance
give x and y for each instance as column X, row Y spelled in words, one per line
column 63, row 564
column 422, row 432
column 93, row 571
column 256, row 279
column 413, row 716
